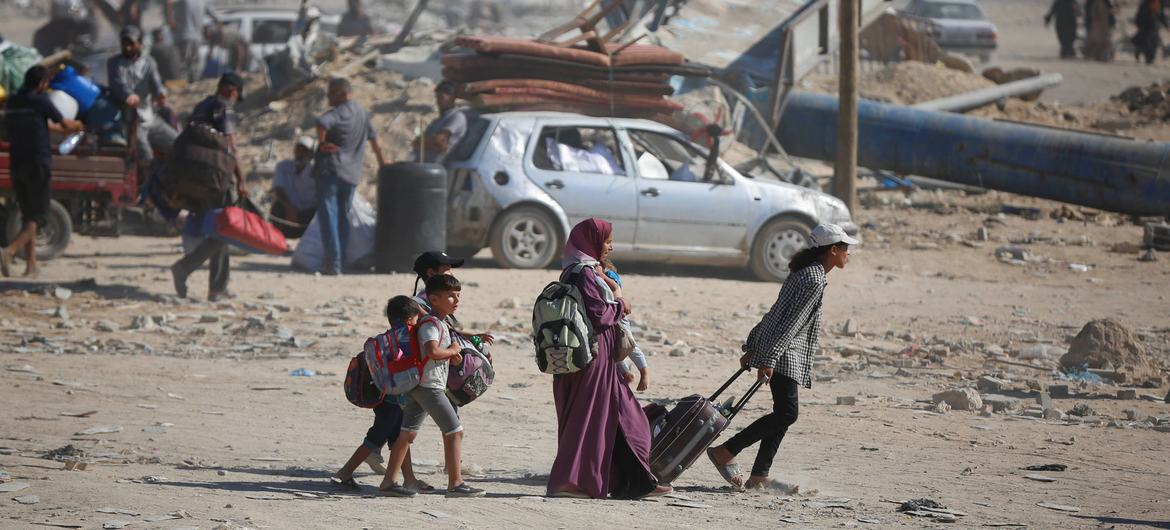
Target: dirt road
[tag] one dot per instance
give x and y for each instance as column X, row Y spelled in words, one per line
column 206, row 406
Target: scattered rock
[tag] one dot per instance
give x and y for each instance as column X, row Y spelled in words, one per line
column 678, row 352
column 10, row 487
column 1014, row 255
column 27, row 499
column 62, row 293
column 1108, row 344
column 847, row 400
column 1082, row 410
column 108, row 429
column 1046, row 467
column 209, row 318
column 1135, row 415
column 1058, row 391
column 851, row 328
column 1058, row 507
column 1053, row 414
column 1127, row 394
column 1042, row 352
column 1002, row 404
column 989, row 384
column 510, row 303
column 1039, row 478
column 143, row 323
column 960, row 399
column 106, row 326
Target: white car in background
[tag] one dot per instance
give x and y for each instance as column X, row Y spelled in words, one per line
column 956, row 25
column 266, row 29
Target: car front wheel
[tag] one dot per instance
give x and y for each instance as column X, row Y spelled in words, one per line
column 775, row 245
column 525, row 238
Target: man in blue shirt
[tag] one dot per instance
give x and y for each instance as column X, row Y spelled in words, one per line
column 27, row 116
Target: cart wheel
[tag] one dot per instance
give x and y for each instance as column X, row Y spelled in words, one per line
column 51, row 239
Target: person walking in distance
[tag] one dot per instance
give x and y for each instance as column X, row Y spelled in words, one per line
column 1150, row 19
column 1065, row 12
column 781, row 348
column 28, row 112
column 186, row 19
column 342, row 133
column 216, row 112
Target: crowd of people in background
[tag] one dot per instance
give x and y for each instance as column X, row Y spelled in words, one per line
column 1100, row 21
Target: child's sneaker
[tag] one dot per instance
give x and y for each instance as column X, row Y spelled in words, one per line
column 463, row 490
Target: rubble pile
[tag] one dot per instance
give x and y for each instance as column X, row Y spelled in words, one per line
column 1152, row 102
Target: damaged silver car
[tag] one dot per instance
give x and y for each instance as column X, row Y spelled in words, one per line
column 520, row 180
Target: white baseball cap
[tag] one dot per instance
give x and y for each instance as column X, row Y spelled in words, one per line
column 829, row 234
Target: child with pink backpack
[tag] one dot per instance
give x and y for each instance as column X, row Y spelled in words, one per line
column 403, row 314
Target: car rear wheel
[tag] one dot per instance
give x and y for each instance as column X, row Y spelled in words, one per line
column 525, row 238
column 775, row 245
column 52, row 238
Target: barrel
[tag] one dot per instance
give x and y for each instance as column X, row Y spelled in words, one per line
column 412, row 214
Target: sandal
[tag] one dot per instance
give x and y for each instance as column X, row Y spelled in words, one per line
column 421, row 487
column 729, row 471
column 658, row 491
column 345, row 484
column 463, row 490
column 397, row 490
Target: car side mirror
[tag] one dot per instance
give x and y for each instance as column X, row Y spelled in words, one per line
column 714, row 131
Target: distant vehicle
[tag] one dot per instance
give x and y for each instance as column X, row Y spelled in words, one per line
column 520, row 180
column 957, row 25
column 266, row 29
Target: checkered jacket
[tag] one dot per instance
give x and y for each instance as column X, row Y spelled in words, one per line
column 786, row 338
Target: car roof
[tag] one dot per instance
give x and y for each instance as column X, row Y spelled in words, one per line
column 585, row 120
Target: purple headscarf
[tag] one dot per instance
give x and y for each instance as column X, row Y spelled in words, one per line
column 586, row 242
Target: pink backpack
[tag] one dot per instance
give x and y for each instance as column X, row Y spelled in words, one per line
column 395, row 361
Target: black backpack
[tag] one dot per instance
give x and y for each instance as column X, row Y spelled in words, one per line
column 200, row 170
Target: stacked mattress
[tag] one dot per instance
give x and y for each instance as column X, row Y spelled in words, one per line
column 502, row 73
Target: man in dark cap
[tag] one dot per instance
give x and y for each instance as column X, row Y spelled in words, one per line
column 134, row 82
column 216, row 112
column 29, row 111
column 444, row 133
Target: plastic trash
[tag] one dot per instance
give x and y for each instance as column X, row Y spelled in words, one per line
column 1082, row 373
column 302, row 372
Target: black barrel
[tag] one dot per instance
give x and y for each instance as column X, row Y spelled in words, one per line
column 412, row 214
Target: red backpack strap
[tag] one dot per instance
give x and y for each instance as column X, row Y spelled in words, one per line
column 416, row 346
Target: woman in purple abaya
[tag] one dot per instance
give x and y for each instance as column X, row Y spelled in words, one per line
column 603, row 438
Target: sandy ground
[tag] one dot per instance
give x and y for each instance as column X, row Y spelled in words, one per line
column 205, row 400
column 205, row 406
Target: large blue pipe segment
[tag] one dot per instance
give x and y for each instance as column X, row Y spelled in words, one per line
column 1099, row 171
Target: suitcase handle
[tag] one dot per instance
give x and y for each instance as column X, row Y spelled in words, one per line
column 727, row 384
column 743, row 401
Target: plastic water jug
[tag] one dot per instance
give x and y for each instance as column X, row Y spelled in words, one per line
column 80, row 88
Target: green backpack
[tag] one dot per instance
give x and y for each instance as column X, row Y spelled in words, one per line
column 561, row 331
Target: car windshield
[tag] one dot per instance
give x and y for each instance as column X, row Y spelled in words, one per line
column 952, row 11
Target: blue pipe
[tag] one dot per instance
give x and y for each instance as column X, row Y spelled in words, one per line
column 1098, row 171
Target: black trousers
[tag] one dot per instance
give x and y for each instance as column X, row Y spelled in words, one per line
column 303, row 218
column 213, row 251
column 769, row 430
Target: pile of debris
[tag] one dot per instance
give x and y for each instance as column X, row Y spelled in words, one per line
column 605, row 79
column 1152, row 102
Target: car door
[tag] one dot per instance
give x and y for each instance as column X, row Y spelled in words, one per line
column 679, row 212
column 270, row 35
column 584, row 170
